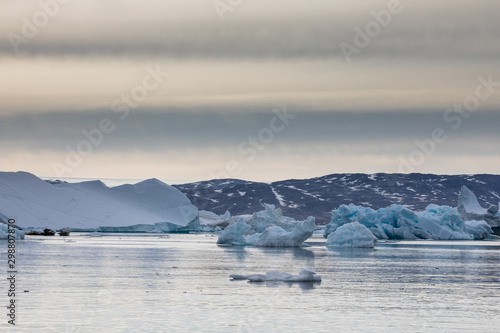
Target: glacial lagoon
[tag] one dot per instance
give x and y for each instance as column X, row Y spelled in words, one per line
column 180, row 283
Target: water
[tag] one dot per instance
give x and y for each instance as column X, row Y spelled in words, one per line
column 149, row 283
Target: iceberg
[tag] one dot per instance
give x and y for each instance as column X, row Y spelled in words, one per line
column 234, row 234
column 385, row 223
column 278, row 237
column 148, row 206
column 398, row 222
column 479, row 229
column 210, row 221
column 258, row 231
column 470, row 209
column 270, row 217
column 4, row 232
column 351, row 234
column 304, row 275
column 444, row 222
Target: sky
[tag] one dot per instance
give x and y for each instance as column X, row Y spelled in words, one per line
column 188, row 90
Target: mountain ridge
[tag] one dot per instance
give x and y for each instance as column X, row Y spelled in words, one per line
column 300, row 198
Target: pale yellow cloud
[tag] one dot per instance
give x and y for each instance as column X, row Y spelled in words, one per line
column 47, row 84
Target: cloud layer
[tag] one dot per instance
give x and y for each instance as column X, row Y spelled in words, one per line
column 63, row 66
column 277, row 30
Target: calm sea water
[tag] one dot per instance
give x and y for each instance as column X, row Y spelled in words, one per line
column 151, row 283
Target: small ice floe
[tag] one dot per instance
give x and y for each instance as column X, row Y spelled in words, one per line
column 305, row 275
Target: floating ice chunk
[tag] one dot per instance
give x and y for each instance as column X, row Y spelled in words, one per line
column 352, row 234
column 4, row 232
column 279, row 237
column 305, row 275
column 470, row 209
column 234, row 234
column 260, row 230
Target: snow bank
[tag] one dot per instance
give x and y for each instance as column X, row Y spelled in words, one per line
column 148, row 206
column 258, row 231
column 470, row 209
column 4, row 232
column 352, row 234
column 305, row 275
column 398, row 222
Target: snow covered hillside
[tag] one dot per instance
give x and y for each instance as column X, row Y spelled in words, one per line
column 300, row 198
column 148, row 206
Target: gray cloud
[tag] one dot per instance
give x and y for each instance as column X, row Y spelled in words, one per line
column 151, row 131
column 459, row 31
column 225, row 76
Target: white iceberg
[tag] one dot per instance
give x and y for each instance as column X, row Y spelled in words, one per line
column 210, row 221
column 148, row 206
column 305, row 275
column 470, row 209
column 351, row 234
column 243, row 233
column 279, row 237
column 234, row 234
column 398, row 222
column 270, row 217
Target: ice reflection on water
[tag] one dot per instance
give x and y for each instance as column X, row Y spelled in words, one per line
column 147, row 283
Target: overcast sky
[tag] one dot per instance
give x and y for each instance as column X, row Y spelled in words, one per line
column 187, row 90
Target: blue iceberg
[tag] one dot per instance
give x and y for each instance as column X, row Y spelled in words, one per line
column 398, row 222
